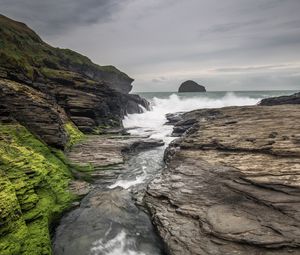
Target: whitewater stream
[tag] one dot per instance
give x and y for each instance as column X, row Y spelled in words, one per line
column 109, row 221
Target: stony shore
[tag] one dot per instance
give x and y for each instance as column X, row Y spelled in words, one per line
column 232, row 183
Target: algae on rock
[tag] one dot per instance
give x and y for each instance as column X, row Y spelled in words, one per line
column 34, row 192
column 75, row 135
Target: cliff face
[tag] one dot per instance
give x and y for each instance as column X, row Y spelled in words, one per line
column 48, row 97
column 91, row 96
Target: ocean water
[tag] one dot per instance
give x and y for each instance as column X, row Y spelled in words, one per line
column 152, row 122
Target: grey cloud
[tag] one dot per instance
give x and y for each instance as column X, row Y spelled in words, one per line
column 159, row 79
column 241, row 42
column 58, row 16
column 233, row 26
column 250, row 68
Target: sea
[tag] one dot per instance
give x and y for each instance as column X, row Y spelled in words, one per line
column 152, row 122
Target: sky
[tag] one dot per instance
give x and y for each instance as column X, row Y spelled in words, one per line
column 223, row 45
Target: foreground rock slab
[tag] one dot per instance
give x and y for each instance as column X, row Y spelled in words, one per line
column 108, row 150
column 232, row 184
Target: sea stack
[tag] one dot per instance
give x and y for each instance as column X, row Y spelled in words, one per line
column 191, row 86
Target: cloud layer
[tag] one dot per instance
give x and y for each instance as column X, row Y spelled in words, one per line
column 226, row 45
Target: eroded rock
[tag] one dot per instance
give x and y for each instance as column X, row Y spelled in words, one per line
column 232, row 185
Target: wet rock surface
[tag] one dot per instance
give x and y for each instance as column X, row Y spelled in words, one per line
column 231, row 185
column 108, row 150
column 292, row 99
column 107, row 220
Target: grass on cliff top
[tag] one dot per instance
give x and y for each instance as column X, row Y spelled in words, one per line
column 33, row 192
column 23, row 51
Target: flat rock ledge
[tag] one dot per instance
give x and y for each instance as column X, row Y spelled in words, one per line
column 232, row 184
column 101, row 151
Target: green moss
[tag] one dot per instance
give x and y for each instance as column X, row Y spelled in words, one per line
column 34, row 184
column 75, row 135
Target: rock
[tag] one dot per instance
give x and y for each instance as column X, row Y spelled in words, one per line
column 34, row 110
column 292, row 99
column 33, row 191
column 79, row 188
column 103, row 151
column 80, row 92
column 102, row 216
column 173, row 118
column 232, row 185
column 186, row 121
column 191, row 86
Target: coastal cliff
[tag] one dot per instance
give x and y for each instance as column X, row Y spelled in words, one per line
column 49, row 97
column 231, row 184
column 92, row 96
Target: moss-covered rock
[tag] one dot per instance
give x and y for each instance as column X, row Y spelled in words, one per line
column 75, row 135
column 33, row 192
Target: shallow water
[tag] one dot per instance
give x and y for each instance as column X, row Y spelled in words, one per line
column 109, row 222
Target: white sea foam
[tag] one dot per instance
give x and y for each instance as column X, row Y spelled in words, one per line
column 152, row 122
column 126, row 184
column 118, row 245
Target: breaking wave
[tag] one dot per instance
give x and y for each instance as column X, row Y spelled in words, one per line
column 152, row 122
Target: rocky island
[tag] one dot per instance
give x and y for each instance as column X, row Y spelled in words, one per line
column 191, row 86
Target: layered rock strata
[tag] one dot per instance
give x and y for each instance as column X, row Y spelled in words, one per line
column 231, row 185
column 69, row 86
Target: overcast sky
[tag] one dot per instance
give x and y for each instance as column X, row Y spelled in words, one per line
column 224, row 45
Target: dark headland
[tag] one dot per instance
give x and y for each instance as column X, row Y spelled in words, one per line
column 191, row 86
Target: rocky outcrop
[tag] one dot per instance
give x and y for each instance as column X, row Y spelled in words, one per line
column 231, row 185
column 92, row 97
column 34, row 110
column 292, row 99
column 191, row 86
